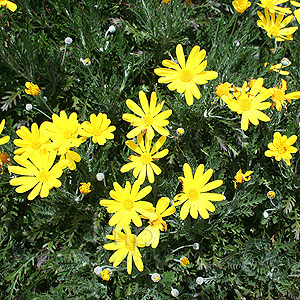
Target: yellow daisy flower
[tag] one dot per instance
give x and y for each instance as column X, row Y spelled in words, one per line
column 184, row 261
column 271, row 6
column 6, row 138
column 282, row 147
column 31, row 140
column 240, row 177
column 39, row 173
column 98, row 128
column 150, row 117
column 279, row 97
column 105, row 274
column 63, row 131
column 10, row 5
column 194, row 193
column 223, row 89
column 186, row 75
column 275, row 27
column 126, row 204
column 249, row 104
column 32, row 89
column 241, row 5
column 142, row 162
column 151, row 234
column 126, row 244
column 73, row 157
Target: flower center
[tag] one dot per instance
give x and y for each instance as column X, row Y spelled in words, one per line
column 193, row 194
column 281, row 149
column 239, row 177
column 43, row 176
column 147, row 120
column 146, row 158
column 67, row 134
column 222, row 90
column 97, row 131
column 245, row 102
column 130, row 242
column 36, row 145
column 274, row 30
column 278, row 95
column 128, row 204
column 186, row 75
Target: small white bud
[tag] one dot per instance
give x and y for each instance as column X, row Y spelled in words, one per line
column 174, row 292
column 112, row 29
column 100, row 176
column 196, row 246
column 28, row 107
column 285, row 61
column 236, row 43
column 155, row 277
column 97, row 270
column 68, row 40
column 265, row 214
column 199, row 280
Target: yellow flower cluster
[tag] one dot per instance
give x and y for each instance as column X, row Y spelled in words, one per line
column 127, row 205
column 38, row 148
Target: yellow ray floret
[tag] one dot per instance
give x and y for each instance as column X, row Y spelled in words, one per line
column 195, row 196
column 6, row 138
column 126, row 244
column 185, row 75
column 149, row 117
column 98, row 128
column 39, row 173
column 126, row 204
column 275, row 26
column 249, row 103
column 282, row 147
column 143, row 161
column 10, row 5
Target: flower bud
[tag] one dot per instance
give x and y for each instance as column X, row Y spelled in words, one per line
column 68, row 40
column 28, row 107
column 199, row 280
column 97, row 270
column 155, row 277
column 174, row 292
column 100, row 176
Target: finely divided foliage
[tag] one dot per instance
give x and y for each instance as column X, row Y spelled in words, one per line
column 157, row 142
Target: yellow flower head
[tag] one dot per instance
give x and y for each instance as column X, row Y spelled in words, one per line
column 275, row 27
column 240, row 5
column 39, row 173
column 151, row 234
column 223, row 89
column 10, row 5
column 180, row 131
column 240, row 177
column 282, row 147
column 106, row 274
column 194, row 193
column 278, row 68
column 149, row 117
column 184, row 261
column 279, row 97
column 32, row 89
column 250, row 103
column 4, row 160
column 6, row 138
column 271, row 6
column 98, row 128
column 271, row 194
column 142, row 161
column 85, row 188
column 63, row 131
column 166, row 1
column 126, row 204
column 31, row 140
column 72, row 157
column 186, row 74
column 126, row 244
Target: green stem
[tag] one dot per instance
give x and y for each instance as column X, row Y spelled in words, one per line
column 44, row 102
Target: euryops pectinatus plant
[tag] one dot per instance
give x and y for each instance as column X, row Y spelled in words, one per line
column 149, row 149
